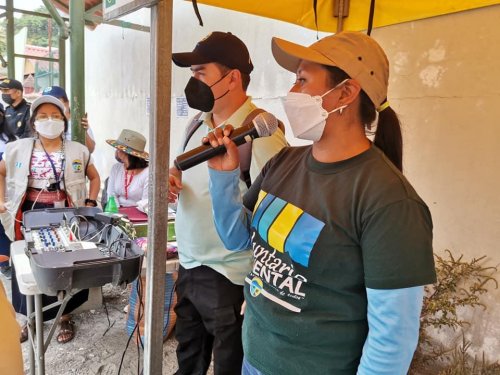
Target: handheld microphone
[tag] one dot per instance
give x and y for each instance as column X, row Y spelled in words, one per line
column 263, row 125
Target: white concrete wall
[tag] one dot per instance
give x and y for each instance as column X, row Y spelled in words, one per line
column 116, row 85
column 444, row 83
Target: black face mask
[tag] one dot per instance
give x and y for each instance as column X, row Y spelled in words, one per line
column 7, row 99
column 200, row 96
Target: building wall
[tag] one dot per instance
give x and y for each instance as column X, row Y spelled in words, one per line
column 116, row 85
column 444, row 84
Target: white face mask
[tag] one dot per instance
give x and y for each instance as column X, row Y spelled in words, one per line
column 306, row 114
column 50, row 129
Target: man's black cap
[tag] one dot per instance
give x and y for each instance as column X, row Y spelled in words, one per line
column 218, row 47
column 11, row 84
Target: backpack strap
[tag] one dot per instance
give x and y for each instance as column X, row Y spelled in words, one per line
column 192, row 128
column 245, row 150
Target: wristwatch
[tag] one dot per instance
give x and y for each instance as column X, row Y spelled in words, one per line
column 93, row 202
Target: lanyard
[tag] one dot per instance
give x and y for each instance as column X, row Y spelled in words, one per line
column 128, row 181
column 56, row 175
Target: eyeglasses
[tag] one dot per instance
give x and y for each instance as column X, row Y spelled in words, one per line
column 42, row 117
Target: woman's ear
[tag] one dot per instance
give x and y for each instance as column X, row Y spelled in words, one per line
column 350, row 91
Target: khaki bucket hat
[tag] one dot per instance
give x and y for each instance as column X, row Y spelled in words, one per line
column 130, row 142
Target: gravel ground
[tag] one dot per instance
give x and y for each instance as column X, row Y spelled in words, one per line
column 95, row 348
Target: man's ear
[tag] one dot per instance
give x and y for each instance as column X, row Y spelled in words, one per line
column 235, row 79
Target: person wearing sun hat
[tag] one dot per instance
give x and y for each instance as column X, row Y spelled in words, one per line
column 342, row 242
column 128, row 180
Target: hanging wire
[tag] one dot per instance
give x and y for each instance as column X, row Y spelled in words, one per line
column 370, row 17
column 197, row 11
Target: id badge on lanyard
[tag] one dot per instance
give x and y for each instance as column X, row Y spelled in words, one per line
column 60, row 202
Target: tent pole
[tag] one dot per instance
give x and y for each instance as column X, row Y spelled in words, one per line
column 341, row 10
column 159, row 146
column 77, row 70
column 11, row 65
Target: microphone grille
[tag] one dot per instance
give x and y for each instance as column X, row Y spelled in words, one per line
column 265, row 123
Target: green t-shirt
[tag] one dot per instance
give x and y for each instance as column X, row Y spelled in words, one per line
column 322, row 234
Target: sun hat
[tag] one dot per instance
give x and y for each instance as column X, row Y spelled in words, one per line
column 44, row 100
column 220, row 47
column 130, row 142
column 357, row 54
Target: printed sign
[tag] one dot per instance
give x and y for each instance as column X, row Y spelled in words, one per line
column 181, row 107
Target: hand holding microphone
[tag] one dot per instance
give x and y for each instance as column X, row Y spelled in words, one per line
column 230, row 159
column 227, row 139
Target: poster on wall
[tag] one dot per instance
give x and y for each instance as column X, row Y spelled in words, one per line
column 114, row 9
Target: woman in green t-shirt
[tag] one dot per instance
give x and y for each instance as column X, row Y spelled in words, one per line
column 342, row 243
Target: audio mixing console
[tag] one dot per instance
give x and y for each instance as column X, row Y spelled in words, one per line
column 77, row 248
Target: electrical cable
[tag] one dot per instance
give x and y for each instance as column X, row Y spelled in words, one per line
column 139, row 317
column 110, row 325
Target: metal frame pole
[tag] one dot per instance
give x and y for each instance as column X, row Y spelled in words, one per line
column 62, row 62
column 30, row 324
column 40, row 348
column 63, row 35
column 77, row 61
column 159, row 135
column 11, row 66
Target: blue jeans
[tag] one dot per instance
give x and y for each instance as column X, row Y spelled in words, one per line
column 248, row 369
column 4, row 245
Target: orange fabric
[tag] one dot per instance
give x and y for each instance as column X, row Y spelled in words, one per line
column 10, row 348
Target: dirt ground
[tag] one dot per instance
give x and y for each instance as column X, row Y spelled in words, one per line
column 95, row 350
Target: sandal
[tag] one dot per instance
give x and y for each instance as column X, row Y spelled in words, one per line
column 24, row 333
column 67, row 331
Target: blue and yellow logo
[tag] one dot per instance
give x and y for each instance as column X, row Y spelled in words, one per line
column 256, row 286
column 287, row 228
column 77, row 165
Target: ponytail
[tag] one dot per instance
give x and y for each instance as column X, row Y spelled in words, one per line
column 388, row 136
